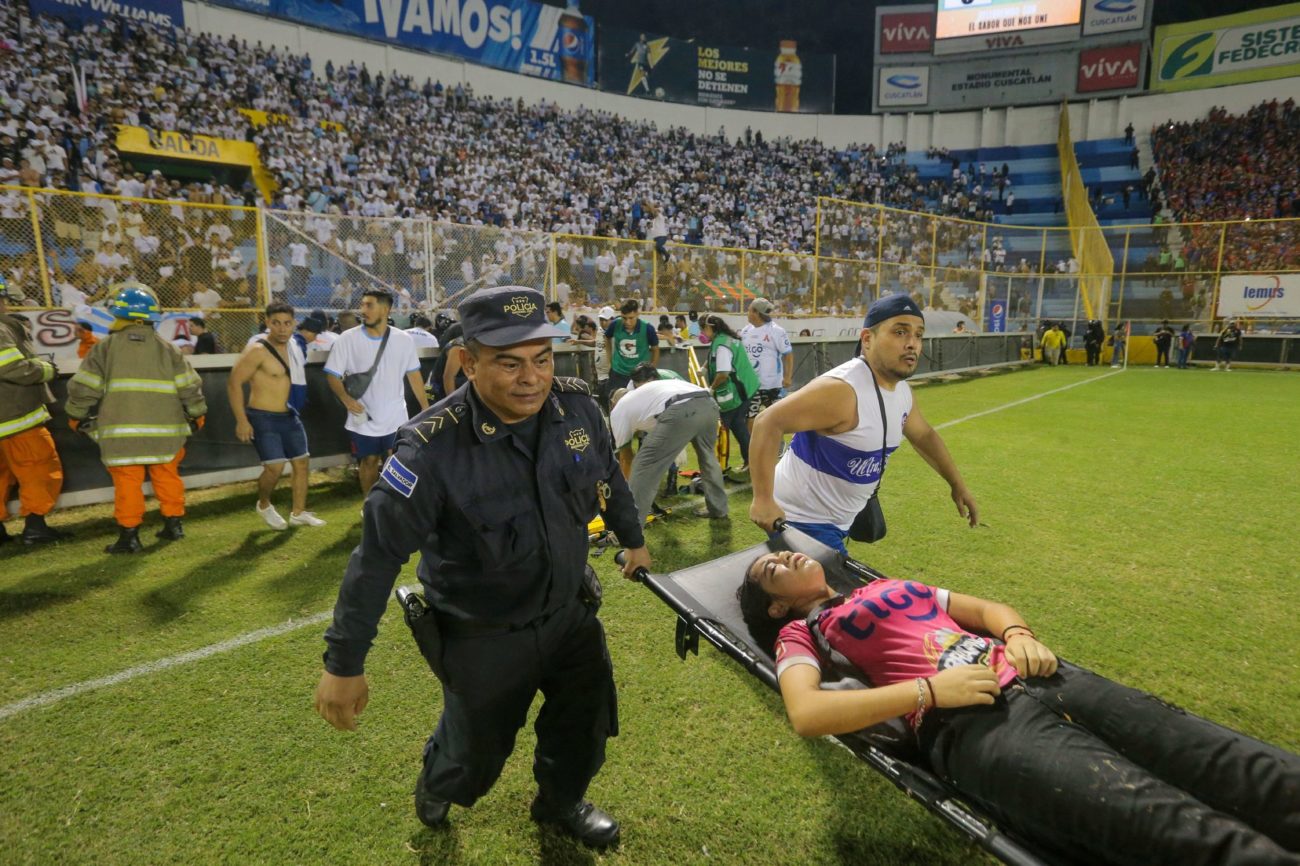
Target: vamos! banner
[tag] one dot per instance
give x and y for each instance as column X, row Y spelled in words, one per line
column 723, row 76
column 163, row 13
column 518, row 35
column 1249, row 46
column 1259, row 295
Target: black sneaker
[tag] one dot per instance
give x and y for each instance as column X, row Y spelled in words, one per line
column 5, row 537
column 128, row 541
column 584, row 821
column 172, row 529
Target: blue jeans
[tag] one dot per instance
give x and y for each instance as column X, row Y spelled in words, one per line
column 1182, row 358
column 737, row 421
column 827, row 533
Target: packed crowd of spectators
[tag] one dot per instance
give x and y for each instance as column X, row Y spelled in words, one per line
column 1234, row 167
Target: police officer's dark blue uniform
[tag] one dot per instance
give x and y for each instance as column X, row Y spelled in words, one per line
column 499, row 512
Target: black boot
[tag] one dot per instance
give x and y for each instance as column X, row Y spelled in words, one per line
column 432, row 813
column 128, row 541
column 5, row 537
column 584, row 821
column 36, row 531
column 172, row 529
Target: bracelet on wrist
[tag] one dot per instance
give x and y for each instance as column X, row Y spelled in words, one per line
column 921, row 706
column 1022, row 628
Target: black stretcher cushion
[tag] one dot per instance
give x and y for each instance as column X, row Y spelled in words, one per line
column 704, row 597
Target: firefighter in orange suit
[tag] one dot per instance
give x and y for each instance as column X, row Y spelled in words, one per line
column 27, row 453
column 138, row 397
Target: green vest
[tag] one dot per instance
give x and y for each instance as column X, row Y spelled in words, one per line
column 628, row 349
column 671, row 374
column 742, row 384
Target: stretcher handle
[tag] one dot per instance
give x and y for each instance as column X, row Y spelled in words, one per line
column 639, row 575
column 779, row 525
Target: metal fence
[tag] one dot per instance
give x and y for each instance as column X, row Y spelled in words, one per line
column 64, row 249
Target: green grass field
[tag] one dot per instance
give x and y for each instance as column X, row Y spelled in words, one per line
column 1140, row 522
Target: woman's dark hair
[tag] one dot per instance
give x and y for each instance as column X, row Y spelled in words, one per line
column 754, row 604
column 719, row 325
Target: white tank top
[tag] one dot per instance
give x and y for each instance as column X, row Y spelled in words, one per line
column 828, row 479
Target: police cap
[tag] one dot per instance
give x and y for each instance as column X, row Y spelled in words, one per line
column 505, row 316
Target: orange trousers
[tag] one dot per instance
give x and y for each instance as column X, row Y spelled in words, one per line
column 128, row 492
column 29, row 458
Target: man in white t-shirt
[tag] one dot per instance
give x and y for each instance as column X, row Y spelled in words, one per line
column 420, row 333
column 770, row 353
column 298, row 270
column 375, row 415
column 206, row 300
column 277, row 276
column 838, row 455
column 672, row 412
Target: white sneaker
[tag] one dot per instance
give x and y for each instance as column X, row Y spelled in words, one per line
column 272, row 517
column 305, row 518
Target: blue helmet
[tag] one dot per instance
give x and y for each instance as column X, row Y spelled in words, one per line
column 135, row 301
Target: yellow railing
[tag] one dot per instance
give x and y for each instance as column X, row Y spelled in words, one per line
column 230, row 260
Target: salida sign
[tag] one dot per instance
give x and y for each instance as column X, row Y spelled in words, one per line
column 906, row 32
column 1111, row 68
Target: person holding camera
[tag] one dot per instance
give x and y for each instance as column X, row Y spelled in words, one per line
column 495, row 486
column 365, row 371
column 846, row 423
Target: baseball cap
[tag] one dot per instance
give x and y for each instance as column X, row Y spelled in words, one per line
column 762, row 306
column 314, row 322
column 890, row 306
column 606, row 313
column 505, row 316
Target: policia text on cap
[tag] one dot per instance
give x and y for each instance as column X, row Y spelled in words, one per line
column 495, row 486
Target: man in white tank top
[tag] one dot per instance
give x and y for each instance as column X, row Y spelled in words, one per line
column 836, row 458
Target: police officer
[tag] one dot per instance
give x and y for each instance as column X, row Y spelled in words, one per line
column 495, row 485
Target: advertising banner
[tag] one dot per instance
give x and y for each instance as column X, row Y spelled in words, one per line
column 997, row 316
column 1248, row 46
column 518, row 35
column 1117, row 67
column 723, row 76
column 1258, row 295
column 902, row 86
column 900, row 32
column 1113, row 16
column 1013, row 80
column 963, row 26
column 163, row 13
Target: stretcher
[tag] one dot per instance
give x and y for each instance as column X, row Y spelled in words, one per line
column 704, row 598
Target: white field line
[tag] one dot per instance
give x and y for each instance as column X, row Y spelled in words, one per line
column 54, row 696
column 70, row 691
column 1025, row 400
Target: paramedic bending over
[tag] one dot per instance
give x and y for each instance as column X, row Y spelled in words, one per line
column 1092, row 769
column 833, row 464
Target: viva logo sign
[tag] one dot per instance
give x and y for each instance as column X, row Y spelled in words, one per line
column 1107, row 69
column 1192, row 57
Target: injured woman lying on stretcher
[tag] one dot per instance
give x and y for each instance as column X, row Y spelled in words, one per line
column 1082, row 765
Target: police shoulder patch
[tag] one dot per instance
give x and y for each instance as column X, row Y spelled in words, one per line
column 444, row 419
column 401, row 479
column 570, row 385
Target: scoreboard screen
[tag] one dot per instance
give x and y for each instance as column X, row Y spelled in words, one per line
column 963, row 18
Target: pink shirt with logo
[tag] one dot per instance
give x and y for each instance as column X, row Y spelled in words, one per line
column 893, row 631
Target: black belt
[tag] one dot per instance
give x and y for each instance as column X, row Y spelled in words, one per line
column 682, row 398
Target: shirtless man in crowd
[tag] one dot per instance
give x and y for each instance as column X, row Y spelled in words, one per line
column 271, row 420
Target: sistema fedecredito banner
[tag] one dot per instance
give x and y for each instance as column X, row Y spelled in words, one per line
column 518, row 35
column 724, row 76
